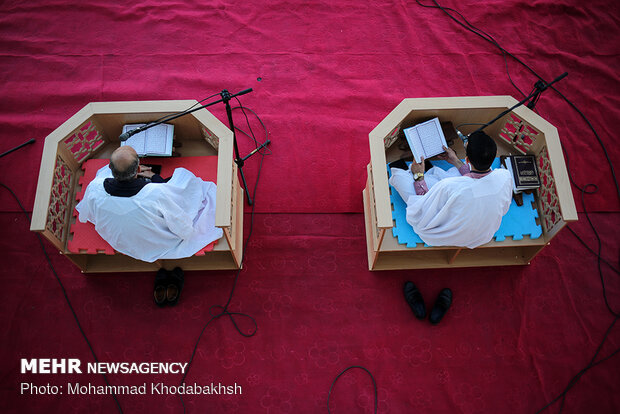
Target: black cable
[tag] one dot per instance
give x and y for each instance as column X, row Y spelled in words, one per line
column 488, row 38
column 223, row 309
column 30, row 141
column 591, row 189
column 611, row 166
column 468, row 123
column 598, row 239
column 264, row 150
column 615, row 269
column 468, row 26
column 478, row 32
column 587, row 189
column 248, row 122
column 584, row 189
column 590, row 365
column 64, row 292
column 374, row 384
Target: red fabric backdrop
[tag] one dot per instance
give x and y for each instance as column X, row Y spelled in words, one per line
column 324, row 74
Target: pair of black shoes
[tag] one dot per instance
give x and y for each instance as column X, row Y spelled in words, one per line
column 416, row 303
column 168, row 286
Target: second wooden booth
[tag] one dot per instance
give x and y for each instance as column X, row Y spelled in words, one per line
column 520, row 131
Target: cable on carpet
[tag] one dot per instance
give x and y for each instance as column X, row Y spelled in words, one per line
column 64, row 292
column 374, row 384
column 223, row 309
column 586, row 189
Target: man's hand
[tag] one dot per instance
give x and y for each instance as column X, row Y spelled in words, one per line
column 145, row 172
column 450, row 156
column 417, row 168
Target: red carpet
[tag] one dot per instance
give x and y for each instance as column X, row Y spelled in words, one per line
column 324, row 74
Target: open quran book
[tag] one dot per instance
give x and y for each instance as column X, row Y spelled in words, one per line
column 155, row 141
column 426, row 139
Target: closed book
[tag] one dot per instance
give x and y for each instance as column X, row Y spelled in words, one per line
column 524, row 172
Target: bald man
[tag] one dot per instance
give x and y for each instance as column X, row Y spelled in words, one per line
column 128, row 175
column 146, row 217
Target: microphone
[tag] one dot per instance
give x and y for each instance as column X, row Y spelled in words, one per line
column 243, row 92
column 463, row 138
column 128, row 134
column 226, row 96
column 258, row 149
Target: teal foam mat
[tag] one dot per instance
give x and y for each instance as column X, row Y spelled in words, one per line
column 517, row 223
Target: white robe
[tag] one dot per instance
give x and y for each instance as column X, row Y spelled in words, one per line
column 457, row 210
column 163, row 221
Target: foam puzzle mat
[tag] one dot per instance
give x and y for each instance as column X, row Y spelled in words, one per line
column 520, row 221
column 84, row 238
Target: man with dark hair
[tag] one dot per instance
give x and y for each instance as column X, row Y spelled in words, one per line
column 481, row 150
column 463, row 206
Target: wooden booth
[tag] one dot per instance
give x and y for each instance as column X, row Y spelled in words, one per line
column 92, row 134
column 521, row 131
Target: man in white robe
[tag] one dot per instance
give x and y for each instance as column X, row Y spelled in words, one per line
column 462, row 206
column 142, row 216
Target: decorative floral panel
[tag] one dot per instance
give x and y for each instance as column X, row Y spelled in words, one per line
column 548, row 194
column 519, row 134
column 211, row 138
column 59, row 199
column 393, row 136
column 84, row 142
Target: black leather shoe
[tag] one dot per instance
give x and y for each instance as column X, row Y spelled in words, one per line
column 161, row 282
column 442, row 304
column 415, row 301
column 177, row 280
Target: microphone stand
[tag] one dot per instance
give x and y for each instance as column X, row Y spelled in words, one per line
column 17, row 147
column 539, row 88
column 226, row 97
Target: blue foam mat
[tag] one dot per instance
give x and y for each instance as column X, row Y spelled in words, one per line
column 517, row 223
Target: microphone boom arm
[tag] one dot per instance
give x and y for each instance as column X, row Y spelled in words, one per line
column 538, row 89
column 226, row 97
column 128, row 134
